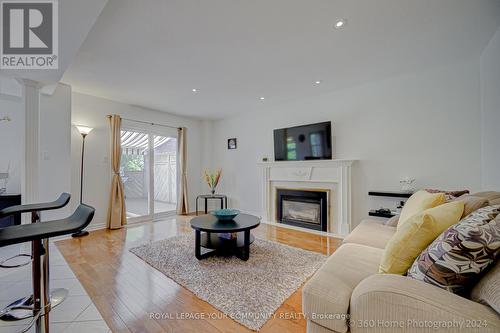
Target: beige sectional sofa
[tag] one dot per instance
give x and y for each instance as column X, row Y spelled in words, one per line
column 347, row 293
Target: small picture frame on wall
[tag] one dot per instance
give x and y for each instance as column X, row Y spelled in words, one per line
column 232, row 143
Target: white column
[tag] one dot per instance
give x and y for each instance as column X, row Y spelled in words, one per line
column 31, row 171
column 345, row 196
column 266, row 193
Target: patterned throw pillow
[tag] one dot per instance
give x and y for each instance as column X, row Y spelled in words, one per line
column 455, row 260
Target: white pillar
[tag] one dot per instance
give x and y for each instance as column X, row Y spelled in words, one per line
column 266, row 194
column 345, row 199
column 31, row 167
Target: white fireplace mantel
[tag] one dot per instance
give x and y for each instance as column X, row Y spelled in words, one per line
column 334, row 175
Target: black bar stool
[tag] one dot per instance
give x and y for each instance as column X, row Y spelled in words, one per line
column 21, row 308
column 39, row 304
column 35, row 210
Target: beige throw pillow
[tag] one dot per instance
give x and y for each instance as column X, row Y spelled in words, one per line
column 416, row 234
column 419, row 202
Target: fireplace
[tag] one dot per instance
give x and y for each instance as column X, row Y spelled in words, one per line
column 303, row 208
column 330, row 176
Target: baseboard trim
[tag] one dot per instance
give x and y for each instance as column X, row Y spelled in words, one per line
column 96, row 226
column 91, row 227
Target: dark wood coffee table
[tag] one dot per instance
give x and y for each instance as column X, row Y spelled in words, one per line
column 239, row 244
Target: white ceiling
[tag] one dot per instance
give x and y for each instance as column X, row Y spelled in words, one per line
column 153, row 53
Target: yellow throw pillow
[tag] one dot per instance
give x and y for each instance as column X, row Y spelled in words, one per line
column 419, row 202
column 416, row 234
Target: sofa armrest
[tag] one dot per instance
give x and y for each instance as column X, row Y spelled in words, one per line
column 395, row 303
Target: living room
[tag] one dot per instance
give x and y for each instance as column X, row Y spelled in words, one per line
column 234, row 166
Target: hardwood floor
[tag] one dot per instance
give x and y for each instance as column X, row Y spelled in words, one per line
column 126, row 290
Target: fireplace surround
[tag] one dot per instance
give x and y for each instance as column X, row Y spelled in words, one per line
column 333, row 175
column 303, row 208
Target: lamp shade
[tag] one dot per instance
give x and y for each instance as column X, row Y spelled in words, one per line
column 84, row 130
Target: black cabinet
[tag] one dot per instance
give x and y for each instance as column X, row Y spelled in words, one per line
column 7, row 200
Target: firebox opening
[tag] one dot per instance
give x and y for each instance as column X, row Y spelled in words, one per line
column 303, row 208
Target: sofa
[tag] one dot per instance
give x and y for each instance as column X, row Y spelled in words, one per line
column 348, row 295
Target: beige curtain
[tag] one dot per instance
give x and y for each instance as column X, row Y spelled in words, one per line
column 182, row 198
column 116, row 209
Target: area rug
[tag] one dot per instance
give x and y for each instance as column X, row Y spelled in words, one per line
column 250, row 291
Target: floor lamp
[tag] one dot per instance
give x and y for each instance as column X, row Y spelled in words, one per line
column 84, row 131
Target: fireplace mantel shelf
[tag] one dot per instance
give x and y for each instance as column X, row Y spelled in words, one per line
column 311, row 163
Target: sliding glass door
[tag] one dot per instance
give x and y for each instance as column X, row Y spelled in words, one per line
column 149, row 173
column 165, row 174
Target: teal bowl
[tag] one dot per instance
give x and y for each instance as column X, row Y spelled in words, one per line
column 225, row 214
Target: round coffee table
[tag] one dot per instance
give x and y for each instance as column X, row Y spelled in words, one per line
column 224, row 237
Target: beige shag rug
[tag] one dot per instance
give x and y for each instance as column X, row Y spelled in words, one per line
column 250, row 291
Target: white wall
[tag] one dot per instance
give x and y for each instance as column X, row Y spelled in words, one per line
column 12, row 140
column 91, row 111
column 424, row 125
column 55, row 148
column 207, row 141
column 490, row 108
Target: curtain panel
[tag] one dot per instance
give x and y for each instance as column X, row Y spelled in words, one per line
column 117, row 217
column 182, row 198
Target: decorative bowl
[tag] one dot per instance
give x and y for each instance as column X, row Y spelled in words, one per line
column 225, row 214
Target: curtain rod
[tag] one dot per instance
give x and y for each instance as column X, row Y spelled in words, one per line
column 150, row 123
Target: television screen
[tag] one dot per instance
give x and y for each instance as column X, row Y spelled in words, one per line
column 301, row 143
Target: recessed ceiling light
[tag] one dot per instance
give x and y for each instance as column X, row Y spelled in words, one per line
column 317, row 82
column 340, row 23
column 194, row 90
column 261, row 98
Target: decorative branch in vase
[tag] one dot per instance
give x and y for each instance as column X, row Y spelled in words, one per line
column 212, row 179
column 407, row 184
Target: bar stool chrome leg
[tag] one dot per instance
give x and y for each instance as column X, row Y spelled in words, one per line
column 24, row 308
column 38, row 305
column 38, row 299
column 42, row 322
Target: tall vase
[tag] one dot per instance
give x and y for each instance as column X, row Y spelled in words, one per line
column 213, row 190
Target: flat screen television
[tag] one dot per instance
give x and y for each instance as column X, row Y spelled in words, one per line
column 302, row 143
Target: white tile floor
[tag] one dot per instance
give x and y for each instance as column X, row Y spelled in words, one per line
column 76, row 314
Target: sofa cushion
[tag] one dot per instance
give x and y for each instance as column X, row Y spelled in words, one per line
column 455, row 260
column 494, row 202
column 471, row 203
column 416, row 234
column 312, row 327
column 326, row 296
column 393, row 221
column 487, row 290
column 388, row 303
column 371, row 233
column 490, row 195
column 419, row 202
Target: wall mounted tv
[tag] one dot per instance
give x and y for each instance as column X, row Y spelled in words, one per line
column 302, row 143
